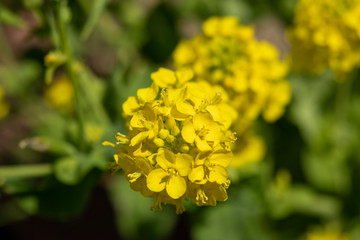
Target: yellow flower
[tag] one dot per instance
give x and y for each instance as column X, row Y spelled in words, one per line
column 170, row 133
column 227, row 54
column 144, row 95
column 248, row 75
column 170, row 175
column 326, row 34
column 202, row 130
column 211, row 167
column 251, row 149
column 60, row 94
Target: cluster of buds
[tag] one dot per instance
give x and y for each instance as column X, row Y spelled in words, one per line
column 330, row 40
column 228, row 54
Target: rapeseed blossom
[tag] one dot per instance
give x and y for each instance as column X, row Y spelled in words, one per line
column 178, row 141
column 227, row 54
column 326, row 34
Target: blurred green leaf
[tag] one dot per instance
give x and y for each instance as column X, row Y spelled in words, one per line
column 97, row 7
column 303, row 200
column 67, row 170
column 8, row 17
column 309, row 95
column 135, row 220
column 240, row 217
column 24, row 171
column 19, row 79
column 28, row 203
column 61, row 201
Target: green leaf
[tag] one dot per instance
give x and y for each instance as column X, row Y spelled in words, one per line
column 10, row 18
column 67, row 170
column 240, row 217
column 24, row 171
column 303, row 200
column 97, row 7
column 135, row 220
column 61, row 201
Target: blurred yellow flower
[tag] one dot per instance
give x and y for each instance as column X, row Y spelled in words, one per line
column 60, row 94
column 178, row 145
column 326, row 34
column 250, row 71
column 228, row 56
column 93, row 132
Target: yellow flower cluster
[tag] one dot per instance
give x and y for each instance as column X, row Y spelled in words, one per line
column 4, row 106
column 228, row 54
column 326, row 34
column 178, row 142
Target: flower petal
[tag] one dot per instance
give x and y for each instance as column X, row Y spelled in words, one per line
column 188, row 132
column 156, row 180
column 176, row 187
column 130, row 105
column 202, row 145
column 139, row 138
column 184, row 75
column 221, row 157
column 147, row 94
column 218, row 174
column 165, row 158
column 185, row 108
column 164, row 78
column 183, row 164
column 197, row 174
column 202, row 120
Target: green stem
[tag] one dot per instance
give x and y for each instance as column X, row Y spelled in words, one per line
column 37, row 170
column 60, row 7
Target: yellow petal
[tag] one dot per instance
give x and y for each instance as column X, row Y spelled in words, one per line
column 218, row 174
column 197, row 174
column 126, row 162
column 143, row 164
column 107, row 143
column 184, row 75
column 164, row 78
column 137, row 120
column 221, row 157
column 165, row 159
column 202, row 145
column 139, row 138
column 147, row 94
column 214, row 132
column 183, row 164
column 185, row 108
column 176, row 187
column 156, row 180
column 188, row 132
column 202, row 120
column 130, row 106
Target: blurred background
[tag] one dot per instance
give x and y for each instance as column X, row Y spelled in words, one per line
column 53, row 184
